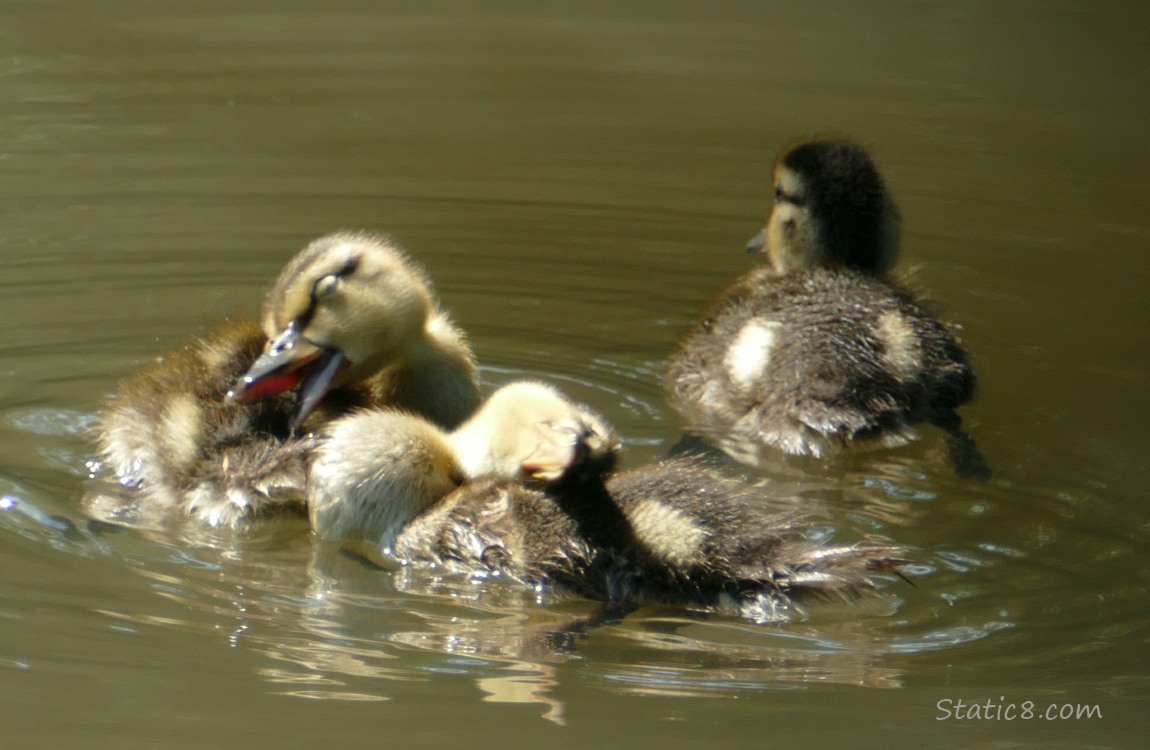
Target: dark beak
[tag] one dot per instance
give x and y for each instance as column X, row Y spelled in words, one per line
column 288, row 362
column 755, row 245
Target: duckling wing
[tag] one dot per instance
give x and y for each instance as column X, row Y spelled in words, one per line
column 257, row 477
column 704, row 536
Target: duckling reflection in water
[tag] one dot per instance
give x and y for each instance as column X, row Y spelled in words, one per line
column 220, row 431
column 527, row 490
column 822, row 347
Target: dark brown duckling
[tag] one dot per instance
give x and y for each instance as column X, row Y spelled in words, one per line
column 220, row 431
column 823, row 347
column 552, row 511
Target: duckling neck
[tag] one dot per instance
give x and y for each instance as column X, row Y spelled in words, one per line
column 436, row 377
column 596, row 513
column 472, row 444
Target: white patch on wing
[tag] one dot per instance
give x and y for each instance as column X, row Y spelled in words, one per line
column 901, row 347
column 668, row 532
column 749, row 354
column 180, row 429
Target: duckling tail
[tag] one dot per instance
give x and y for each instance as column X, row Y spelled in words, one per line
column 837, row 571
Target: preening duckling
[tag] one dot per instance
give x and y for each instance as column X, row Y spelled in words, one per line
column 352, row 307
column 527, row 489
column 677, row 532
column 378, row 469
column 221, row 430
column 821, row 347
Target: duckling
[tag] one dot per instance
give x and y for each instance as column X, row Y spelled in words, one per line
column 377, row 469
column 677, row 532
column 540, row 502
column 221, row 431
column 823, row 346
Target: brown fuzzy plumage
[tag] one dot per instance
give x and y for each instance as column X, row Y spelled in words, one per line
column 176, row 442
column 823, row 347
column 832, row 373
column 675, row 532
column 181, row 442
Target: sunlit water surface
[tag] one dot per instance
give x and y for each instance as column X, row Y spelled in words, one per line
column 579, row 182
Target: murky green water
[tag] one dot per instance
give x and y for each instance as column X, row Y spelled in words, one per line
column 579, row 179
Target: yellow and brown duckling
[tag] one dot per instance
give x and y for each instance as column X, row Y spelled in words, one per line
column 378, row 469
column 823, row 347
column 220, row 431
column 540, row 503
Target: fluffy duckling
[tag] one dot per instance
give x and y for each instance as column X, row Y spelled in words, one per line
column 378, row 469
column 220, row 431
column 537, row 500
column 677, row 532
column 822, row 347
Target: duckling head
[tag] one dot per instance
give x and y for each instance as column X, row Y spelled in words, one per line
column 346, row 306
column 831, row 207
column 531, row 431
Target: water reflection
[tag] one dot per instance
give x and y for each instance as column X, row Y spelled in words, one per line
column 331, row 626
column 341, row 621
column 335, row 627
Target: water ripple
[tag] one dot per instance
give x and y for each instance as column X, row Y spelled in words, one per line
column 52, row 422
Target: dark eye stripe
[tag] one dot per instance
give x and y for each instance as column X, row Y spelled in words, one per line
column 303, row 319
column 348, row 268
column 781, row 196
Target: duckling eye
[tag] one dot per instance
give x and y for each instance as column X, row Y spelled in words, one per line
column 781, row 196
column 325, row 286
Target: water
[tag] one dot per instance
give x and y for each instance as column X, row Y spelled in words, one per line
column 579, row 180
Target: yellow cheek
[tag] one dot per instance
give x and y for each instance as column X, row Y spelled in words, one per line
column 792, row 240
column 778, row 244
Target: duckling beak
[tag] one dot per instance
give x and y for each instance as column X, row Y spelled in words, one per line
column 755, row 245
column 558, row 451
column 291, row 361
column 562, row 447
